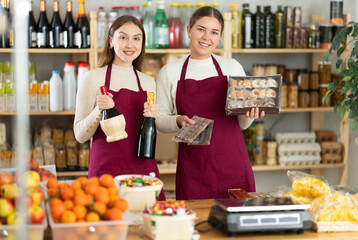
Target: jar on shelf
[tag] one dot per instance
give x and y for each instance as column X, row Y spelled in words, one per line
column 303, row 98
column 271, row 70
column 83, row 157
column 284, row 95
column 324, row 70
column 323, row 89
column 60, row 158
column 258, row 70
column 290, row 75
column 313, row 36
column 292, row 95
column 313, row 98
column 271, row 153
column 302, row 80
column 313, row 80
column 281, row 70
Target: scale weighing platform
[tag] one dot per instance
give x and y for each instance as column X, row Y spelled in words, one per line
column 259, row 214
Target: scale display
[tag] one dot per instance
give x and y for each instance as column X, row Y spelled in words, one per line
column 259, row 214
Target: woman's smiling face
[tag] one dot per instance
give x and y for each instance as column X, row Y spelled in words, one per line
column 204, row 37
column 127, row 44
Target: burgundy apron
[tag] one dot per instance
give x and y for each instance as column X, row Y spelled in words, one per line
column 120, row 157
column 205, row 172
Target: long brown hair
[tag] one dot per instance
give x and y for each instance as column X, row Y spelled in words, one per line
column 108, row 53
column 206, row 11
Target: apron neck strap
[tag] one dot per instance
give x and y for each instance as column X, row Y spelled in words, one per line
column 185, row 66
column 109, row 73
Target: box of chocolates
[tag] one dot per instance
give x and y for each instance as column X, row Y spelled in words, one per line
column 248, row 92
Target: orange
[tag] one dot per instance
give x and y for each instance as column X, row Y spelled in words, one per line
column 58, row 210
column 80, row 212
column 80, row 200
column 106, row 180
column 99, row 207
column 53, row 192
column 114, row 214
column 79, row 192
column 63, row 185
column 82, row 180
column 92, row 217
column 55, row 201
column 68, row 204
column 112, row 191
column 94, row 180
column 89, row 199
column 112, row 199
column 102, row 195
column 91, row 188
column 52, row 183
column 76, row 185
column 68, row 217
column 67, row 193
column 121, row 204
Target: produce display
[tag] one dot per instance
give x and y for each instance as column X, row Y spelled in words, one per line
column 9, row 194
column 169, row 208
column 141, row 181
column 85, row 200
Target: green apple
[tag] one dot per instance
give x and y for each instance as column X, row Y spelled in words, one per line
column 9, row 191
column 6, row 207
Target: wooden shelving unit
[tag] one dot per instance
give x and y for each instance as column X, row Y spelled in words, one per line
column 317, row 114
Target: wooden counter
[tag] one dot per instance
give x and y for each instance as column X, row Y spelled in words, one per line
column 202, row 209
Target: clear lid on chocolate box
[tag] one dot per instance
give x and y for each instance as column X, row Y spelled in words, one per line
column 246, row 92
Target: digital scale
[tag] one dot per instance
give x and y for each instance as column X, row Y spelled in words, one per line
column 259, row 214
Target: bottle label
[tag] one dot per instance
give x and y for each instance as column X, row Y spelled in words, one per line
column 33, row 39
column 62, row 38
column 51, row 39
column 65, row 42
column 162, row 35
column 40, row 39
column 78, row 40
column 88, row 40
column 248, row 30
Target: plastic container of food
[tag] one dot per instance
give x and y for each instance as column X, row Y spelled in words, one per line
column 139, row 197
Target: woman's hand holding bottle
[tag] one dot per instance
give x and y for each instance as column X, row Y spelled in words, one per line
column 105, row 102
column 151, row 110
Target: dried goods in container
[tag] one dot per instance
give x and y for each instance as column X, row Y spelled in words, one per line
column 313, row 98
column 303, row 98
column 313, row 80
column 292, row 95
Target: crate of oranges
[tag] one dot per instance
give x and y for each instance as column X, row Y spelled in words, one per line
column 86, row 207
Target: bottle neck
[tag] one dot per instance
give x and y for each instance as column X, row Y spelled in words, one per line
column 69, row 6
column 56, row 6
column 42, row 6
column 81, row 9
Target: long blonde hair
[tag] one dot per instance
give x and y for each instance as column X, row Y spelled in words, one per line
column 108, row 53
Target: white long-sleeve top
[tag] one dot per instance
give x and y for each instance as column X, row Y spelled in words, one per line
column 167, row 81
column 88, row 115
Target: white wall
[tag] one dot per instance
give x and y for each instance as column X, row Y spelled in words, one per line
column 265, row 181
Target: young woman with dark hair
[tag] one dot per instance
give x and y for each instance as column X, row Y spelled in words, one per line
column 197, row 84
column 127, row 88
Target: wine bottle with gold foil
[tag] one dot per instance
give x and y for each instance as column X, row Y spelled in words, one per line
column 69, row 27
column 82, row 36
column 56, row 32
column 147, row 134
column 43, row 28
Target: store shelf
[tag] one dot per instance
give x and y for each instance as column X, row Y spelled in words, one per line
column 312, row 109
column 72, row 174
column 278, row 50
column 49, row 50
column 169, row 51
column 277, row 168
column 63, row 113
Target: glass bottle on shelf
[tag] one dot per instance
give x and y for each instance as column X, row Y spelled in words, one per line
column 247, row 27
column 259, row 28
column 101, row 27
column 33, row 105
column 175, row 27
column 43, row 28
column 32, row 29
column 279, row 28
column 4, row 25
column 112, row 16
column 9, row 87
column 236, row 26
column 269, row 28
column 217, row 6
column 187, row 11
column 134, row 11
column 69, row 27
column 56, row 28
column 82, row 36
column 161, row 27
column 148, row 25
